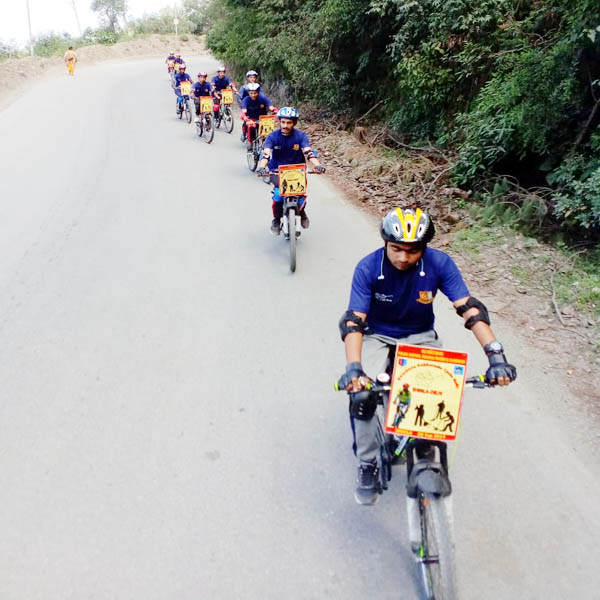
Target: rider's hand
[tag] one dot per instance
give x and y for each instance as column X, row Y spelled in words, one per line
column 354, row 379
column 262, row 172
column 500, row 371
column 319, row 169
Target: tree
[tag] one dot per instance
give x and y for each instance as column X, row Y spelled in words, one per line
column 110, row 11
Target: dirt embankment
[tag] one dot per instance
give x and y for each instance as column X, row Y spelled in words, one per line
column 17, row 73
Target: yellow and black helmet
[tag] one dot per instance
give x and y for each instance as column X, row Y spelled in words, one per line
column 407, row 226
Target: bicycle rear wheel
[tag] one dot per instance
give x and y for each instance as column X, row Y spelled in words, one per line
column 436, row 553
column 209, row 128
column 228, row 120
column 292, row 231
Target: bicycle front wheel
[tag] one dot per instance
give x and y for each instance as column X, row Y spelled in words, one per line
column 228, row 120
column 199, row 127
column 209, row 128
column 252, row 157
column 188, row 112
column 436, row 553
column 292, row 230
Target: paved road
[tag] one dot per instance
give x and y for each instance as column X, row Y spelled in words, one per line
column 167, row 428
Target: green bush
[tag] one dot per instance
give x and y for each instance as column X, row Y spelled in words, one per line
column 577, row 203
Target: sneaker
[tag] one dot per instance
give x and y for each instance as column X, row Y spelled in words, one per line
column 243, row 137
column 197, row 120
column 366, row 491
column 304, row 220
column 249, row 147
column 276, row 226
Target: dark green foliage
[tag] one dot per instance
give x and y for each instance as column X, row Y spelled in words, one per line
column 500, row 80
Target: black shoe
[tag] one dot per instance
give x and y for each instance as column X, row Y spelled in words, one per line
column 366, row 492
column 276, row 226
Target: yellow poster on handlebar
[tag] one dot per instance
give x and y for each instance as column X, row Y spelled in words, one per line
column 266, row 124
column 227, row 96
column 427, row 390
column 292, row 180
column 186, row 88
column 206, row 104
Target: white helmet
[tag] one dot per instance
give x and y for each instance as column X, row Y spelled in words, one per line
column 253, row 87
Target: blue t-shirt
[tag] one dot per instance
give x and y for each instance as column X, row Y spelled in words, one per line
column 401, row 303
column 221, row 84
column 255, row 108
column 179, row 77
column 202, row 89
column 287, row 149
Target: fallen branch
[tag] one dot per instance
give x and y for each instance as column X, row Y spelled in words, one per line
column 369, row 111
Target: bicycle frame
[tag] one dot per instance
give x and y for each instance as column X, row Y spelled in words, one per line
column 289, row 203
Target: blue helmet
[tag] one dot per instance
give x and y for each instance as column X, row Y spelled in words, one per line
column 288, row 112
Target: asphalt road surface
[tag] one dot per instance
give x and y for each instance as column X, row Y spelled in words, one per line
column 168, row 428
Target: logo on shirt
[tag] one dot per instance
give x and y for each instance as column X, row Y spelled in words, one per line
column 384, row 297
column 296, row 146
column 425, row 297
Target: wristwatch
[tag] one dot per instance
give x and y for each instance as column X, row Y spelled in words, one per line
column 494, row 347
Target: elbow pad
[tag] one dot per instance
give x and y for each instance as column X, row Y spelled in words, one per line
column 358, row 324
column 472, row 302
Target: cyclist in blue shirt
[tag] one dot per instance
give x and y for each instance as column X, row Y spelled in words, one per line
column 200, row 88
column 286, row 146
column 221, row 82
column 252, row 77
column 391, row 302
column 254, row 105
column 180, row 76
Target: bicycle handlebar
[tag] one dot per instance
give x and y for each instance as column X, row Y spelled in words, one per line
column 477, row 381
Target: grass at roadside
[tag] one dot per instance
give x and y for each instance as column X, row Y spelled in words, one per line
column 570, row 278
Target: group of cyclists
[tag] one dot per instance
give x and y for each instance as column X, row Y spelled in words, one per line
column 393, row 288
column 284, row 146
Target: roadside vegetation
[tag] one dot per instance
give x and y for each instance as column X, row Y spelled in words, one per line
column 506, row 86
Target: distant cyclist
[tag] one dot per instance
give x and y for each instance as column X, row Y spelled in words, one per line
column 251, row 77
column 286, row 146
column 201, row 88
column 391, row 302
column 170, row 62
column 70, row 60
column 180, row 76
column 219, row 83
column 178, row 60
column 254, row 105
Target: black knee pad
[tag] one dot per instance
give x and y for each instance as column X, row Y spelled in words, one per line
column 363, row 405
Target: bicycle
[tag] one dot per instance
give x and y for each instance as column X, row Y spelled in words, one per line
column 223, row 112
column 266, row 124
column 428, row 492
column 183, row 101
column 205, row 126
column 292, row 187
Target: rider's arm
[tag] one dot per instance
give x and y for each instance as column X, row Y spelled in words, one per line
column 483, row 333
column 309, row 153
column 264, row 161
